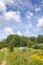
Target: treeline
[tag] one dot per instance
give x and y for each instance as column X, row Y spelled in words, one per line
column 22, row 41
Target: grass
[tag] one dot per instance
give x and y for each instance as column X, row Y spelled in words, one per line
column 1, row 56
column 27, row 56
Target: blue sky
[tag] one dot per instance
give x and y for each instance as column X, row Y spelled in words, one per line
column 22, row 17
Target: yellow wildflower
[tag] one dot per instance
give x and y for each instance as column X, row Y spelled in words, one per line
column 37, row 57
column 14, row 55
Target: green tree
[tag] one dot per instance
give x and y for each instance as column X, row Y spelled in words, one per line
column 30, row 43
column 40, row 39
column 9, row 39
column 16, row 40
column 11, row 47
column 33, row 39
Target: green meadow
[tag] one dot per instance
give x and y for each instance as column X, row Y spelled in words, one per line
column 1, row 56
column 25, row 56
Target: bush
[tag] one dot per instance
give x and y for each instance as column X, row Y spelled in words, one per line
column 38, row 46
column 29, row 43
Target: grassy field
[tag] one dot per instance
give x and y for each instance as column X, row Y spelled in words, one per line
column 27, row 56
column 1, row 56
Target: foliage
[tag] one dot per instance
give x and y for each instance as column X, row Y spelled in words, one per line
column 40, row 39
column 22, row 41
column 25, row 57
column 33, row 39
column 30, row 43
column 38, row 46
column 11, row 47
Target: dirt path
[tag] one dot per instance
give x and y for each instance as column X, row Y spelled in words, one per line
column 4, row 60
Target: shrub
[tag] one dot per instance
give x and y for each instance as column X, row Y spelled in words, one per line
column 29, row 43
column 38, row 46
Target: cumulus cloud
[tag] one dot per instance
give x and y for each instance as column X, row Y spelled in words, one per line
column 12, row 16
column 8, row 16
column 37, row 9
column 19, row 33
column 30, row 25
column 29, row 15
column 27, row 32
column 19, row 3
column 36, row 29
column 7, row 1
column 2, row 20
column 8, row 30
column 9, row 11
column 39, row 24
column 2, row 7
column 5, row 32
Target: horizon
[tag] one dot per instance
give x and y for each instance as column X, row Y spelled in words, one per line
column 18, row 35
column 22, row 17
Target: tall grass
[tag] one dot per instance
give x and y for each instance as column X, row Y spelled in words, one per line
column 1, row 56
column 27, row 56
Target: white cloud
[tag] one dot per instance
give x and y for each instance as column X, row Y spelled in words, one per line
column 8, row 31
column 29, row 15
column 37, row 9
column 5, row 32
column 12, row 16
column 2, row 12
column 27, row 32
column 7, row 1
column 19, row 33
column 39, row 24
column 30, row 25
column 27, row 26
column 2, row 20
column 2, row 7
column 37, row 29
column 32, row 35
column 8, row 16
